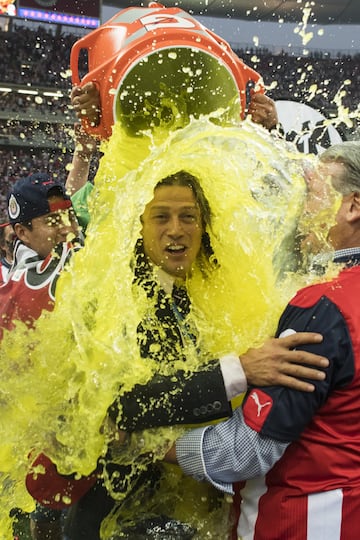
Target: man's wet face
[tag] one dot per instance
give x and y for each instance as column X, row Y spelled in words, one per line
column 50, row 229
column 172, row 230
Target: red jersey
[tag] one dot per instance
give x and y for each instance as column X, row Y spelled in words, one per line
column 313, row 491
column 29, row 290
column 31, row 285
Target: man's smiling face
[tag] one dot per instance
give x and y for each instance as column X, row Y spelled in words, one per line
column 172, row 230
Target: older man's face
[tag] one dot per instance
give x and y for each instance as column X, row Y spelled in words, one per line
column 321, row 207
column 340, row 234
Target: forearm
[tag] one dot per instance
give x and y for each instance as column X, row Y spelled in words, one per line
column 85, row 148
column 79, row 172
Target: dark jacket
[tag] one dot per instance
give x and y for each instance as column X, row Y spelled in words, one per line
column 181, row 398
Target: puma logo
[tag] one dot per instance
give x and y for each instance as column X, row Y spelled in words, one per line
column 259, row 405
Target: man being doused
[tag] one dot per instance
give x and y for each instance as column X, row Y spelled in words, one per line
column 174, row 238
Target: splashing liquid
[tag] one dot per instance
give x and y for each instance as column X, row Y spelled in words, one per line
column 58, row 380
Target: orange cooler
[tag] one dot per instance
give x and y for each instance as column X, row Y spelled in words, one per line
column 158, row 66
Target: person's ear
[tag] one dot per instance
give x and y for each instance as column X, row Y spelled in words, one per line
column 21, row 232
column 353, row 213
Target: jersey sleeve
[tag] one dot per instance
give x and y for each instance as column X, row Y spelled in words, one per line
column 282, row 413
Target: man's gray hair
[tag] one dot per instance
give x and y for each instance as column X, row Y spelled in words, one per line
column 347, row 153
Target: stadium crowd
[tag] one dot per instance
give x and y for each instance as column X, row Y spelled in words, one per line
column 35, row 128
column 32, row 57
column 315, row 79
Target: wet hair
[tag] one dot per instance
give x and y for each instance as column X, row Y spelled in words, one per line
column 348, row 154
column 185, row 179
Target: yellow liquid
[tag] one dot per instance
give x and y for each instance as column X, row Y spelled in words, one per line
column 86, row 348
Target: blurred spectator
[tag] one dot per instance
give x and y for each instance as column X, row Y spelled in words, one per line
column 6, row 250
column 29, row 133
column 18, row 162
column 35, row 57
column 314, row 79
column 39, row 105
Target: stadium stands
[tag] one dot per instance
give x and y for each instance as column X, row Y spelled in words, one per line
column 36, row 118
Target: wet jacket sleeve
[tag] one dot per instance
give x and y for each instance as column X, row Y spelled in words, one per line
column 183, row 398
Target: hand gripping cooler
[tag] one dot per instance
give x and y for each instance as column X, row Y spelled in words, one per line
column 160, row 66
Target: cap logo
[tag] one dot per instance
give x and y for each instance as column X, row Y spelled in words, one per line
column 13, row 207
